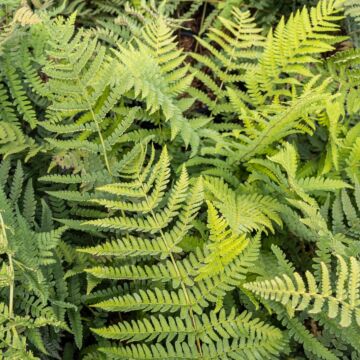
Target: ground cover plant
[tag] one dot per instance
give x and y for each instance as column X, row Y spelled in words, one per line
column 179, row 179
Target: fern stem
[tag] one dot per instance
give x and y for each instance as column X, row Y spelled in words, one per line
column 100, row 137
column 4, row 243
column 201, row 25
column 97, row 128
column 301, row 104
column 178, row 273
column 11, row 286
column 96, row 124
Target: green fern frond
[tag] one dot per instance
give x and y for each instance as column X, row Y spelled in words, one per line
column 18, row 93
column 287, row 158
column 302, row 335
column 352, row 9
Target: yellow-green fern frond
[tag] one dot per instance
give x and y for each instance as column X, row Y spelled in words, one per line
column 341, row 300
column 209, row 328
column 234, row 48
column 292, row 46
column 223, row 247
column 223, row 349
column 244, row 212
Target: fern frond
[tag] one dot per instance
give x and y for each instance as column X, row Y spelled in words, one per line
column 219, row 350
column 18, row 93
column 209, row 328
column 223, row 248
column 155, row 301
column 244, row 212
column 352, row 9
column 343, row 301
column 234, row 48
column 293, row 45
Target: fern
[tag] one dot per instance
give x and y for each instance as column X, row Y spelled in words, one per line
column 190, row 277
column 166, row 166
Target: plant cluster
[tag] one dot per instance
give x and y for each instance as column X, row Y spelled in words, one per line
column 179, row 180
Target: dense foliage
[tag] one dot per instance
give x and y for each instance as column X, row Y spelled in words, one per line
column 179, row 179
